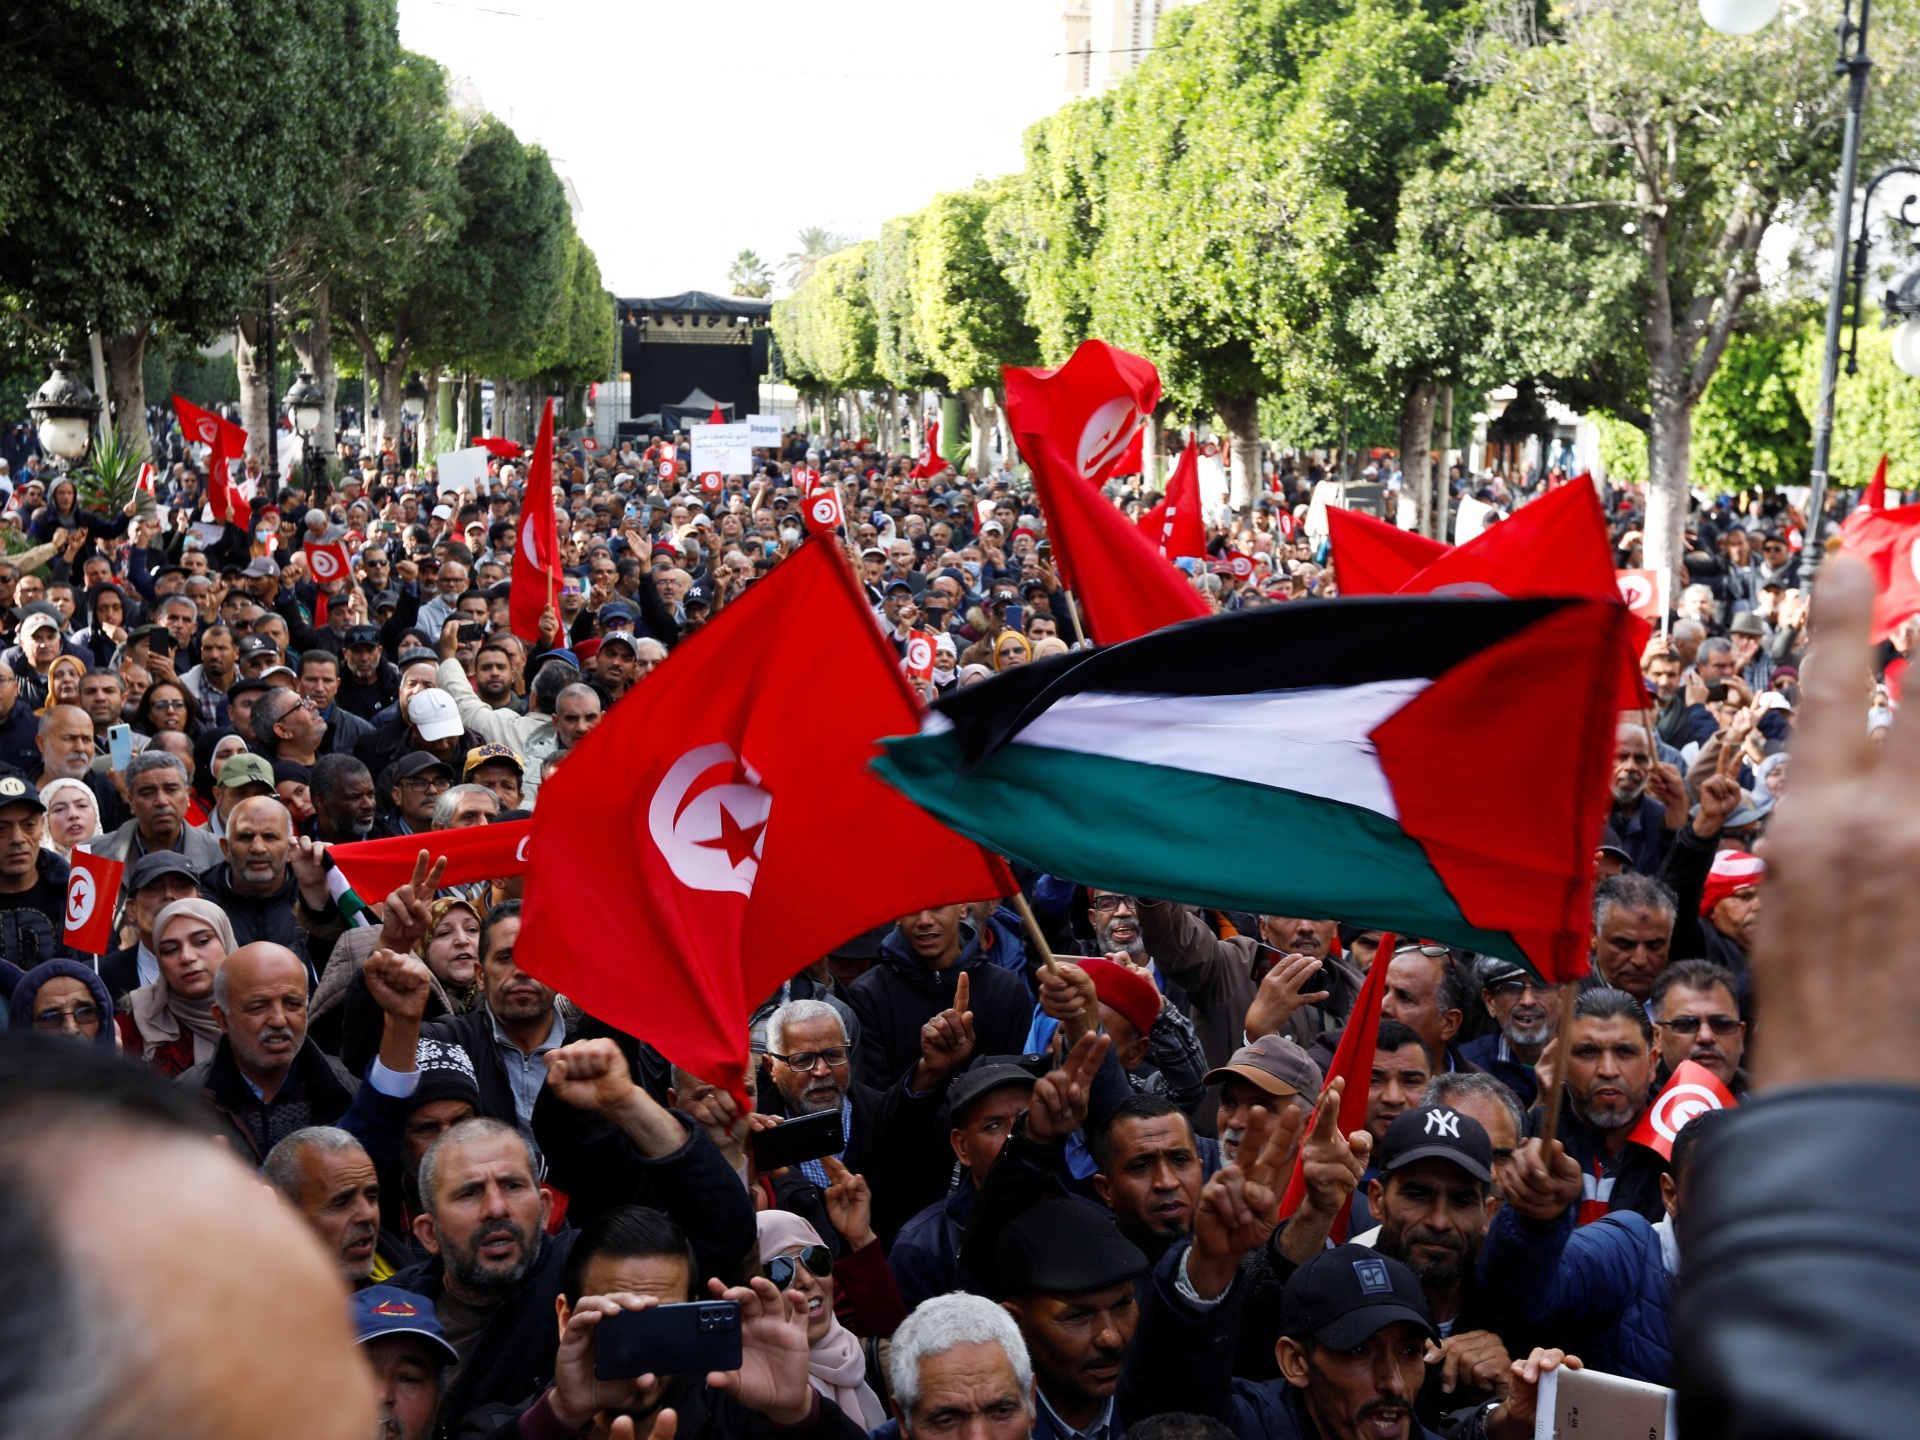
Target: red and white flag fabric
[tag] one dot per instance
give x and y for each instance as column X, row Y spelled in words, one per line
column 822, row 509
column 145, row 483
column 676, row 876
column 93, row 894
column 1733, row 870
column 375, row 868
column 1072, row 424
column 536, row 558
column 1875, row 497
column 1645, row 592
column 1888, row 542
column 918, row 661
column 931, row 463
column 1693, row 1090
column 328, row 563
column 226, row 442
column 1174, row 524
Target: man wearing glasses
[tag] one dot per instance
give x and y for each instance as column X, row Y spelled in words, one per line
column 1525, row 1010
column 1697, row 1017
column 19, row 726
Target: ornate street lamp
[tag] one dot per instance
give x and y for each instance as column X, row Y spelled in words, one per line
column 306, row 402
column 64, row 410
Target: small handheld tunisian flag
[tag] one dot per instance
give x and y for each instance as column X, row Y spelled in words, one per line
column 822, row 510
column 228, row 442
column 1072, row 424
column 375, row 868
column 931, row 463
column 676, row 873
column 1692, row 1089
column 1352, row 1061
column 93, row 893
column 328, row 562
column 536, row 559
column 1174, row 524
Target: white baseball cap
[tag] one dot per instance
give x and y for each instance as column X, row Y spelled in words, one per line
column 434, row 715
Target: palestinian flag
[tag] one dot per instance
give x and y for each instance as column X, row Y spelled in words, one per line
column 1431, row 766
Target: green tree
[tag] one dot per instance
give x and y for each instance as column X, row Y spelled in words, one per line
column 1750, row 427
column 825, row 329
column 1621, row 165
column 816, row 243
column 1875, row 412
column 748, row 275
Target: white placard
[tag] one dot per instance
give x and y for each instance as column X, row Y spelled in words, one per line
column 1471, row 518
column 765, row 431
column 722, row 449
column 463, row 470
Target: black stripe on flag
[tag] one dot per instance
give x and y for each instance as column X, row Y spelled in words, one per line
column 1302, row 645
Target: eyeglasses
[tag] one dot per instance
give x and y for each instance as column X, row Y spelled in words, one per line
column 817, row 1259
column 1690, row 1024
column 1107, row 904
column 166, row 705
column 433, row 783
column 804, row 1060
column 1519, row 985
column 51, row 1022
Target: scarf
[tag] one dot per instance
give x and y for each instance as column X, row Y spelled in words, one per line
column 161, row 1016
column 836, row 1365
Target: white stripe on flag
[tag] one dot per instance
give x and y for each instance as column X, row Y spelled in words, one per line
column 1312, row 742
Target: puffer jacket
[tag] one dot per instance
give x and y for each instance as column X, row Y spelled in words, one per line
column 1599, row 1291
column 902, row 992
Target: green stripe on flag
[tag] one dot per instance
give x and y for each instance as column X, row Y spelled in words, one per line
column 355, row 911
column 1181, row 835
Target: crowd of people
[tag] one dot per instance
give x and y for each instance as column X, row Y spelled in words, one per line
column 1052, row 1204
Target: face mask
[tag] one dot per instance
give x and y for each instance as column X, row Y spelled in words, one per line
column 972, row 568
column 790, row 535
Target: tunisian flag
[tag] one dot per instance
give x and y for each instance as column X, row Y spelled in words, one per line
column 1353, row 1061
column 1693, row 1089
column 536, row 559
column 720, row 829
column 1888, row 541
column 375, row 868
column 1073, row 424
column 228, row 443
column 1556, row 546
column 93, row 895
column 1174, row 524
column 931, row 463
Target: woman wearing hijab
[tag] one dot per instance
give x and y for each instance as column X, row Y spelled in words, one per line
column 63, row 682
column 170, row 1022
column 73, row 816
column 794, row 1257
column 1011, row 650
column 63, row 998
column 1049, row 647
column 451, row 948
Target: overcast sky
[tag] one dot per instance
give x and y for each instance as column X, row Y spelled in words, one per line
column 694, row 130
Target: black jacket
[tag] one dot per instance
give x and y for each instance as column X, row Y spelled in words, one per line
column 513, row 1356
column 704, row 1415
column 473, row 1033
column 1800, row 1284
column 1626, row 1180
column 319, row 1092
column 271, row 917
column 901, row 993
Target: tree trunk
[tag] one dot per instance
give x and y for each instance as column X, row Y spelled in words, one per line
column 1152, row 470
column 1003, row 431
column 1241, row 415
column 431, row 421
column 979, row 403
column 462, row 411
column 1669, row 450
column 250, row 364
column 313, row 343
column 506, row 410
column 1415, row 436
column 1442, row 487
column 127, row 389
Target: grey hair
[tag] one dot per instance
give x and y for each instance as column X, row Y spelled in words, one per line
column 1693, row 630
column 282, row 1169
column 649, row 640
column 479, row 1127
column 154, row 760
column 1630, row 890
column 942, row 1324
column 799, row 1011
column 1445, row 1090
column 1715, row 645
column 1696, row 592
column 450, row 799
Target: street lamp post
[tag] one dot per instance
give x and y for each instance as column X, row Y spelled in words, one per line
column 63, row 410
column 306, row 403
column 1744, row 17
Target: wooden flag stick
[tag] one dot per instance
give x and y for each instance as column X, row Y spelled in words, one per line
column 1073, row 613
column 1562, row 1042
column 1033, row 930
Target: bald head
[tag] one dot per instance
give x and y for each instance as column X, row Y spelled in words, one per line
column 66, row 741
column 260, row 1002
column 258, row 844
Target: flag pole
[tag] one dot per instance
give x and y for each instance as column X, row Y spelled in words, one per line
column 1073, row 613
column 1562, row 1043
column 1033, row 930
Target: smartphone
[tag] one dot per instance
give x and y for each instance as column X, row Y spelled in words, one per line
column 1716, row 691
column 471, row 634
column 119, row 746
column 807, row 1138
column 692, row 1339
column 160, row 643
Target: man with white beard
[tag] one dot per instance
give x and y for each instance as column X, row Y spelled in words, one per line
column 1524, row 1009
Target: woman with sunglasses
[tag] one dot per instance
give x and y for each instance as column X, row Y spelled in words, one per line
column 793, row 1256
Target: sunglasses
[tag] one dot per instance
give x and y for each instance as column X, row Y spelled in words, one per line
column 1690, row 1024
column 817, row 1259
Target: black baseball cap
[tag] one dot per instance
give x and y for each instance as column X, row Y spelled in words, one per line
column 156, row 863
column 362, row 635
column 1344, row 1296
column 1065, row 1247
column 1436, row 1132
column 418, row 762
column 985, row 1075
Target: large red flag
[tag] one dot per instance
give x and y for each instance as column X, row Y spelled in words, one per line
column 1072, row 424
column 1556, row 546
column 473, row 852
column 720, row 829
column 1174, row 524
column 1888, row 541
column 931, row 463
column 1372, row 557
column 1352, row 1060
column 228, row 442
column 536, row 559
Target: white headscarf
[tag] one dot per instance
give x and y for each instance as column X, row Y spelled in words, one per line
column 54, row 788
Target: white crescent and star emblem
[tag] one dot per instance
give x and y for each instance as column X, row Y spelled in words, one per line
column 1677, row 1105
column 711, row 838
column 1635, row 590
column 825, row 512
column 520, row 850
column 529, row 545
column 206, row 430
column 80, row 897
column 1107, row 433
column 325, row 564
column 919, row 653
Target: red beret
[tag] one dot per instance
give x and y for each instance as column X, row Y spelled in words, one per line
column 1125, row 990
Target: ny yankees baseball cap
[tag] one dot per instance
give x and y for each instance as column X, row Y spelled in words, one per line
column 1436, row 1132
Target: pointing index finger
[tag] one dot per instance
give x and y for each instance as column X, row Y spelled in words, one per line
column 962, row 993
column 1832, row 743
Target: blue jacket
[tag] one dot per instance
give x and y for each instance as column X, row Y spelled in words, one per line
column 1490, row 1054
column 925, row 1257
column 1601, row 1291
